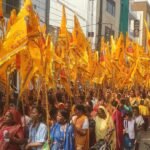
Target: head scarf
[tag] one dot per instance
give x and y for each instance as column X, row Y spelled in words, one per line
column 16, row 115
column 105, row 110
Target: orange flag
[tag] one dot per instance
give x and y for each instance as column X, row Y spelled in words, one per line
column 147, row 36
column 1, row 9
column 16, row 36
column 129, row 47
column 64, row 82
column 80, row 41
column 12, row 19
column 63, row 29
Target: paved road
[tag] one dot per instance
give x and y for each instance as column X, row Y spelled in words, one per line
column 145, row 139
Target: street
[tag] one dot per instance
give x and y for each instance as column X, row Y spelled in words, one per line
column 145, row 139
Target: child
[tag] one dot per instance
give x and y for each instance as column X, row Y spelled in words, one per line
column 129, row 131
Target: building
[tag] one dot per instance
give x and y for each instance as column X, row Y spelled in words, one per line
column 9, row 5
column 124, row 14
column 73, row 7
column 97, row 17
column 142, row 8
column 106, row 20
column 134, row 24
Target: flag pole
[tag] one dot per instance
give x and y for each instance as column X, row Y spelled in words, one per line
column 7, row 87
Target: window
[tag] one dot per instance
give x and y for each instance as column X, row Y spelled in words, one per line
column 11, row 4
column 108, row 33
column 90, row 34
column 110, row 7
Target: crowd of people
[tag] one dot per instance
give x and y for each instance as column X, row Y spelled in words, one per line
column 80, row 123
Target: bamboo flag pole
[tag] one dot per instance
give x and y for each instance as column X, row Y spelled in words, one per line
column 46, row 98
column 47, row 111
column 47, row 108
column 7, row 87
column 38, row 90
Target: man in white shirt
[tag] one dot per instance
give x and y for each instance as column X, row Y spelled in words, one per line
column 129, row 130
column 139, row 125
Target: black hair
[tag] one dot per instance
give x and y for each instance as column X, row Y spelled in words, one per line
column 122, row 101
column 2, row 108
column 88, row 108
column 102, row 110
column 80, row 108
column 22, row 108
column 114, row 103
column 119, row 96
column 64, row 113
column 129, row 114
column 41, row 111
column 53, row 113
column 136, row 108
column 38, row 108
column 142, row 102
column 51, row 99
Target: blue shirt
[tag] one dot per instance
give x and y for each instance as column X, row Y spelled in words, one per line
column 62, row 139
column 38, row 134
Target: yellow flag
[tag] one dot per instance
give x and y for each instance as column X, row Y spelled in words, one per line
column 134, row 70
column 31, row 17
column 34, row 50
column 80, row 42
column 63, row 30
column 49, row 59
column 147, row 36
column 25, row 10
column 103, row 53
column 28, row 78
column 4, row 68
column 119, row 46
column 26, row 65
column 65, row 82
column 12, row 19
column 1, row 8
column 129, row 47
column 113, row 47
column 16, row 36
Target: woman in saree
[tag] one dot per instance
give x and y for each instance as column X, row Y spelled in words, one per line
column 118, row 122
column 81, row 127
column 104, row 124
column 62, row 133
column 11, row 131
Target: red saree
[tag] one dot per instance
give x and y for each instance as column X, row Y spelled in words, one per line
column 15, row 131
column 118, row 121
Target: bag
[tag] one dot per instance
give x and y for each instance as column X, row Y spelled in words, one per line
column 127, row 141
column 46, row 146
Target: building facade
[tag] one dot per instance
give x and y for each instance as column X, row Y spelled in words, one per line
column 72, row 7
column 106, row 20
column 142, row 8
column 97, row 17
column 134, row 24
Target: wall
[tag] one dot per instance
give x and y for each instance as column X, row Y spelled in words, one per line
column 107, row 20
column 145, row 8
column 114, row 20
column 78, row 7
column 39, row 6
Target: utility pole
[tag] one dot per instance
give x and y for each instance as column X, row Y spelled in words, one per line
column 47, row 11
column 90, row 21
column 100, row 25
